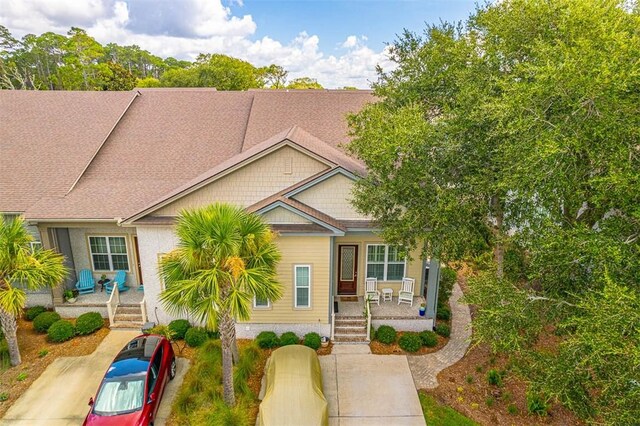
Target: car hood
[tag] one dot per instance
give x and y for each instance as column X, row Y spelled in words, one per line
column 131, row 419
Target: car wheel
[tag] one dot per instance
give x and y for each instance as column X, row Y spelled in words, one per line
column 172, row 369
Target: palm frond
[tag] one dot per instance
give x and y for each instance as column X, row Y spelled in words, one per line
column 12, row 300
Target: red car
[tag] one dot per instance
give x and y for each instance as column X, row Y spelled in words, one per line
column 132, row 388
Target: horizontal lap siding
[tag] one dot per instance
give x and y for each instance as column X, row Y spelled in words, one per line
column 314, row 251
column 332, row 196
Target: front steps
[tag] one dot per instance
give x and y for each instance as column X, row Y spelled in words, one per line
column 350, row 329
column 128, row 316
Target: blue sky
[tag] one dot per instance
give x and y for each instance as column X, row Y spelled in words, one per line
column 338, row 42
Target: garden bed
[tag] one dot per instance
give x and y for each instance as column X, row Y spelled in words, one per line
column 379, row 348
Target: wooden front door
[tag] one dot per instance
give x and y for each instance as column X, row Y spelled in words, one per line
column 347, row 269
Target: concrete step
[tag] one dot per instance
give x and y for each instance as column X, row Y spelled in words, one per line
column 350, row 330
column 350, row 338
column 127, row 317
column 128, row 310
column 127, row 325
column 350, row 323
column 350, row 317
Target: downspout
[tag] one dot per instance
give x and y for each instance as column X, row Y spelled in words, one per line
column 331, row 282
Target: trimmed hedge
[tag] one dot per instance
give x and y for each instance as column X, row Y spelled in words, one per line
column 443, row 330
column 196, row 336
column 410, row 342
column 289, row 338
column 267, row 340
column 312, row 340
column 60, row 331
column 429, row 338
column 386, row 334
column 179, row 328
column 42, row 322
column 444, row 313
column 89, row 323
column 33, row 312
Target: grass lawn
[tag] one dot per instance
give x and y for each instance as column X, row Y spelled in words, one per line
column 441, row 415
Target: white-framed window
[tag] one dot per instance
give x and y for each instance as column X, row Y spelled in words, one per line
column 302, row 284
column 35, row 246
column 261, row 303
column 109, row 253
column 384, row 262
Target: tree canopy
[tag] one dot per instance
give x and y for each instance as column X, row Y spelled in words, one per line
column 512, row 141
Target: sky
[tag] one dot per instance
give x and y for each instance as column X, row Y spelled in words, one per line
column 338, row 42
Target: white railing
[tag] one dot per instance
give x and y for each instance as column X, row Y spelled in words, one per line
column 367, row 309
column 143, row 310
column 113, row 303
column 333, row 324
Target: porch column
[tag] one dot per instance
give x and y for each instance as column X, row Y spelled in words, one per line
column 432, row 288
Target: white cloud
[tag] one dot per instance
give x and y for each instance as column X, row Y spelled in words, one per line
column 205, row 26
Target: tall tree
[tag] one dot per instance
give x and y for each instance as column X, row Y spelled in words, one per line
column 20, row 269
column 304, row 83
column 225, row 258
column 215, row 70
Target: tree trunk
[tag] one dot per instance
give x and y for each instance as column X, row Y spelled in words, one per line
column 234, row 345
column 498, row 250
column 226, row 340
column 9, row 326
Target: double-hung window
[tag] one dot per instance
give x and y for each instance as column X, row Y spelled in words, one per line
column 109, row 253
column 384, row 262
column 261, row 303
column 302, row 282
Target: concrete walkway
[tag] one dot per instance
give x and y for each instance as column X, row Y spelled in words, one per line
column 425, row 368
column 60, row 395
column 366, row 389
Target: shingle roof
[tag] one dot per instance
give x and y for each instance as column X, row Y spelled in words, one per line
column 167, row 139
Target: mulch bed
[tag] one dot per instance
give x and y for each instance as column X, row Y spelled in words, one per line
column 31, row 343
column 378, row 348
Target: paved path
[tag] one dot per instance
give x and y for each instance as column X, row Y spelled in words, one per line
column 60, row 395
column 425, row 368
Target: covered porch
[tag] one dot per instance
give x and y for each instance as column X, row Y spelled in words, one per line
column 352, row 306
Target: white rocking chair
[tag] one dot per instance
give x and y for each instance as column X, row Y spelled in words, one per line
column 371, row 290
column 406, row 292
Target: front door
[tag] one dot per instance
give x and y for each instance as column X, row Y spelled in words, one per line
column 347, row 269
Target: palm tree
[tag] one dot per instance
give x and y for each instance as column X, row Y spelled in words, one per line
column 225, row 258
column 21, row 268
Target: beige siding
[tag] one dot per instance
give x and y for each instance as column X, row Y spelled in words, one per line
column 253, row 182
column 314, row 251
column 332, row 196
column 281, row 215
column 413, row 268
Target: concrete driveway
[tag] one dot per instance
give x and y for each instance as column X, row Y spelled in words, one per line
column 60, row 395
column 365, row 389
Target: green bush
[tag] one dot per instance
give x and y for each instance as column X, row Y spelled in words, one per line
column 410, row 342
column 161, row 330
column 89, row 323
column 537, row 403
column 512, row 409
column 448, row 277
column 312, row 340
column 60, row 331
column 267, row 340
column 196, row 336
column 386, row 334
column 494, row 378
column 443, row 330
column 444, row 313
column 179, row 328
column 289, row 338
column 42, row 322
column 429, row 338
column 33, row 312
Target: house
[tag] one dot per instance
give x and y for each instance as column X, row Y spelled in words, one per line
column 101, row 177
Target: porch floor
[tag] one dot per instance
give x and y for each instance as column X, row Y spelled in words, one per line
column 386, row 310
column 130, row 296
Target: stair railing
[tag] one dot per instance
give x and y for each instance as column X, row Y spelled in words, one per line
column 143, row 310
column 113, row 303
column 333, row 325
column 367, row 310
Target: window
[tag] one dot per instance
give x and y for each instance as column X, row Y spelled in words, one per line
column 302, row 281
column 261, row 303
column 35, row 246
column 384, row 262
column 109, row 253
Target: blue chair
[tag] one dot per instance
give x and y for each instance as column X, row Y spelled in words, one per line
column 86, row 284
column 121, row 279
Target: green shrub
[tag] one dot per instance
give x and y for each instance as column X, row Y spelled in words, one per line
column 448, row 277
column 537, row 403
column 89, row 323
column 469, row 378
column 512, row 409
column 444, row 313
column 43, row 352
column 195, row 336
column 386, row 334
column 443, row 330
column 490, row 401
column 312, row 340
column 289, row 338
column 179, row 328
column 213, row 334
column 161, row 330
column 42, row 322
column 494, row 378
column 61, row 331
column 267, row 340
column 22, row 377
column 429, row 338
column 4, row 396
column 410, row 342
column 33, row 312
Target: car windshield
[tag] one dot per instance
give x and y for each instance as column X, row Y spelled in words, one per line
column 120, row 395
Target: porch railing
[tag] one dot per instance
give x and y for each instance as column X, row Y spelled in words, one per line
column 143, row 310
column 333, row 324
column 113, row 303
column 367, row 310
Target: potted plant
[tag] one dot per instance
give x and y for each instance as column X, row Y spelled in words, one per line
column 103, row 279
column 423, row 309
column 69, row 296
column 324, row 341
